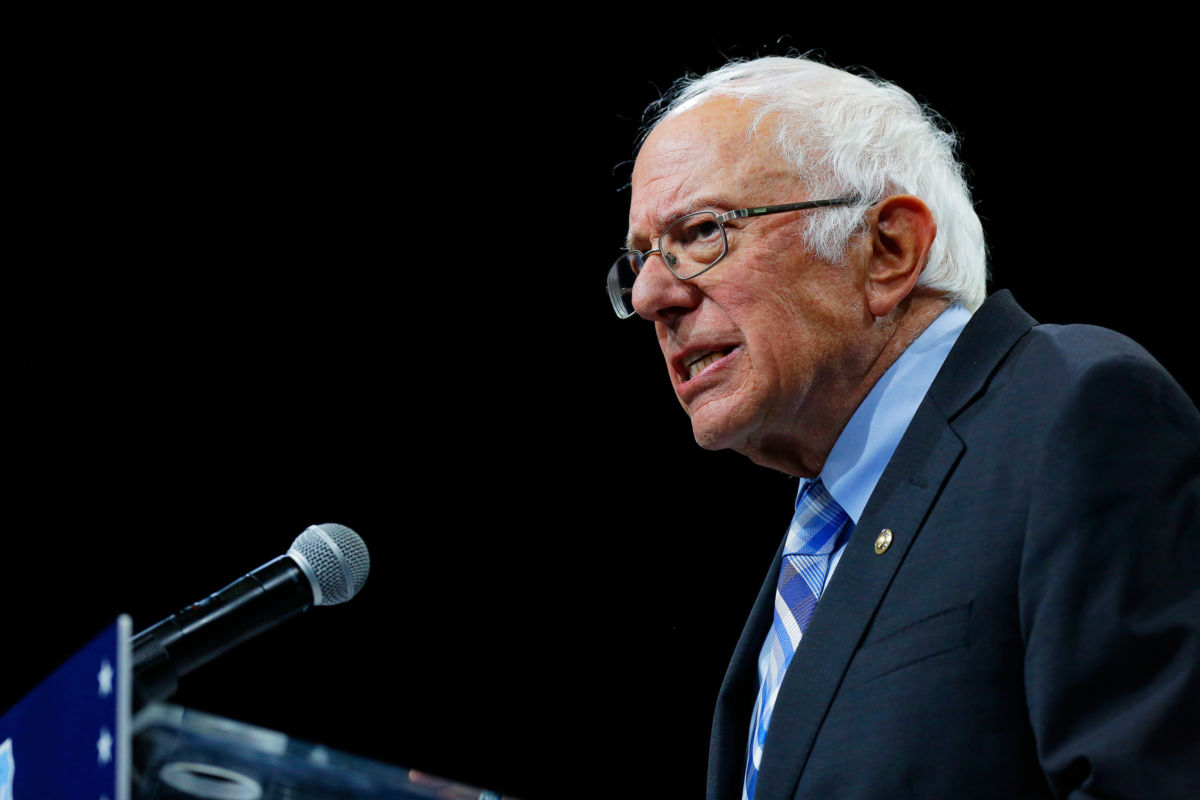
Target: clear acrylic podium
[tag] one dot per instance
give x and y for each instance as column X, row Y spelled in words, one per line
column 181, row 754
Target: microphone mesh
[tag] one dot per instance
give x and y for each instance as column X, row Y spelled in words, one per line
column 338, row 558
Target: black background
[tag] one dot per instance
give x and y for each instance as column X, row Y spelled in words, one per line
column 275, row 271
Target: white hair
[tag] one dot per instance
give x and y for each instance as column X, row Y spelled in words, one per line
column 850, row 135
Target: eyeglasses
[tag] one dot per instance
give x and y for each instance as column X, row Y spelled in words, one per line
column 691, row 246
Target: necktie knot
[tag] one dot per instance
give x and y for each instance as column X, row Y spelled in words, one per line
column 816, row 523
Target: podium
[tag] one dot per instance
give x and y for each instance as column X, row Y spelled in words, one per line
column 73, row 737
column 180, row 754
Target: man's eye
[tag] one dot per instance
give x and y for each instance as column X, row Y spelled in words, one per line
column 702, row 230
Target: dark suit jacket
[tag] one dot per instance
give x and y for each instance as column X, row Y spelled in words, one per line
column 1032, row 629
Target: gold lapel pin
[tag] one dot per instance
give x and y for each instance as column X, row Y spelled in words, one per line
column 883, row 541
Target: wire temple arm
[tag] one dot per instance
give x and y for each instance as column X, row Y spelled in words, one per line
column 754, row 212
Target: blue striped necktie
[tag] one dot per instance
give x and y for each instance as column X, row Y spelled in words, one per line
column 818, row 528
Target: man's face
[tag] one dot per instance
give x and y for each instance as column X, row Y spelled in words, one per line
column 766, row 351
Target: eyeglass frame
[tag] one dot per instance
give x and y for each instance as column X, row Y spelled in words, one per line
column 758, row 211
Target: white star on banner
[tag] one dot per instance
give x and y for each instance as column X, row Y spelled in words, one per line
column 104, row 677
column 104, row 746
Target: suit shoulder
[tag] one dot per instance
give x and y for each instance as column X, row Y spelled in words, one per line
column 1096, row 375
column 1058, row 358
column 1078, row 372
column 1081, row 348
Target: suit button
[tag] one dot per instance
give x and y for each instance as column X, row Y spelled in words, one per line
column 883, row 541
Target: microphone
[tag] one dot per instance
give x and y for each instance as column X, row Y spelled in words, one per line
column 327, row 564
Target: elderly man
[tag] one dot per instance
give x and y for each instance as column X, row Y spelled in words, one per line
column 989, row 587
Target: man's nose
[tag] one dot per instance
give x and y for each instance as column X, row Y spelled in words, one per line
column 658, row 295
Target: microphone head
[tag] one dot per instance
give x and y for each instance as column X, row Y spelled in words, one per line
column 335, row 560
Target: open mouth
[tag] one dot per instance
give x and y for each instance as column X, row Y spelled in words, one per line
column 698, row 362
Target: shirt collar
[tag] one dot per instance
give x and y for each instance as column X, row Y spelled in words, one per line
column 866, row 444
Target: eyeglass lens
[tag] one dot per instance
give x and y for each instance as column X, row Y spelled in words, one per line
column 693, row 244
column 689, row 246
column 620, row 283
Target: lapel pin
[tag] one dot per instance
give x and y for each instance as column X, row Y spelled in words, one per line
column 883, row 541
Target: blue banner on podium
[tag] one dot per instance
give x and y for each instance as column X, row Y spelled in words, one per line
column 70, row 737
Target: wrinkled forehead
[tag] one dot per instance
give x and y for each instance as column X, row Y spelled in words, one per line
column 706, row 157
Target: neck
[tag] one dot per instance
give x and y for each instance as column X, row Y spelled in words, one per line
column 802, row 450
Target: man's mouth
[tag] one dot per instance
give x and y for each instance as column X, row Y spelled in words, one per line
column 698, row 362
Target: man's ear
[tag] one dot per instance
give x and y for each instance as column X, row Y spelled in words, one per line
column 902, row 231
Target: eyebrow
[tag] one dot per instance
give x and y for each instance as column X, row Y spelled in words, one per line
column 701, row 203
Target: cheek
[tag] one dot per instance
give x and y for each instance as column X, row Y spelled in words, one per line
column 785, row 344
column 768, row 319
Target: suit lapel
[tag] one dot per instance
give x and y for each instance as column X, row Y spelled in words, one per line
column 922, row 463
column 731, row 720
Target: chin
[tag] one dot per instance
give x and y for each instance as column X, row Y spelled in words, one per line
column 709, row 443
column 716, row 432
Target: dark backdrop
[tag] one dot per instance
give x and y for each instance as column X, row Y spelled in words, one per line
column 264, row 273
